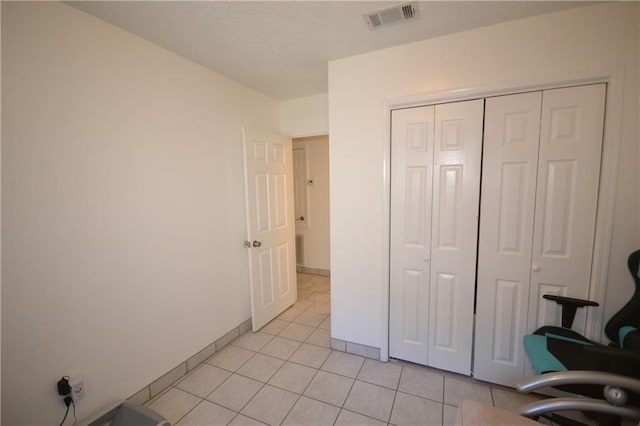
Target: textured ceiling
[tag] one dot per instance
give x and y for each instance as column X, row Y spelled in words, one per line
column 281, row 48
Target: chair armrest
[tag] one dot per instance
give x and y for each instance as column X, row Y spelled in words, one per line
column 554, row 405
column 569, row 307
column 578, row 377
column 562, row 300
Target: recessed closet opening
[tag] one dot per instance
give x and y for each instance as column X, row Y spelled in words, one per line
column 493, row 203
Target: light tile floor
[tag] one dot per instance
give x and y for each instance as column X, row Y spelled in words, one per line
column 287, row 374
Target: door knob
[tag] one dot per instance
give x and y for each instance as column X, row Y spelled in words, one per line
column 256, row 243
column 535, row 268
column 301, row 218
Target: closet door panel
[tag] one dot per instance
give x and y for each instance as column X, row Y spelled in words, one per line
column 456, row 185
column 567, row 194
column 510, row 158
column 411, row 199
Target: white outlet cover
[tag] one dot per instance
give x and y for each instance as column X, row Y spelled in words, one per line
column 77, row 387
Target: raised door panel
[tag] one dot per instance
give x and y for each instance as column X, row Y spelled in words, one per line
column 567, row 194
column 415, row 207
column 281, row 201
column 262, row 202
column 284, row 278
column 456, row 186
column 265, row 278
column 508, row 319
column 411, row 199
column 445, row 306
column 450, row 191
column 510, row 158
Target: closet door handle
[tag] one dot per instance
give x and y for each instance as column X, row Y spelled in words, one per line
column 535, row 268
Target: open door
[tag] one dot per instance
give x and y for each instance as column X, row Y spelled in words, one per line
column 268, row 165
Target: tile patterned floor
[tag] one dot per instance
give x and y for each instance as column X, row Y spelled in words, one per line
column 286, row 374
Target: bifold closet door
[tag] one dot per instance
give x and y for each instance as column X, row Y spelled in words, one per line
column 411, row 195
column 566, row 200
column 456, row 197
column 510, row 167
column 539, row 199
column 435, row 183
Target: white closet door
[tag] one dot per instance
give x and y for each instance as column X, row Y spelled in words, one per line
column 567, row 193
column 510, row 163
column 456, row 187
column 411, row 194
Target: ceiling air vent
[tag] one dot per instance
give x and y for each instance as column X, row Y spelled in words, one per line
column 393, row 15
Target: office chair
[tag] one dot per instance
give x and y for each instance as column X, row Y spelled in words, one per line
column 560, row 349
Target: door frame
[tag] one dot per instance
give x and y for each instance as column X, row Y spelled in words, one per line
column 614, row 77
column 303, row 148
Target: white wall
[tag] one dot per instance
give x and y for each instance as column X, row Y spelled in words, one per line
column 316, row 234
column 123, row 208
column 308, row 116
column 604, row 35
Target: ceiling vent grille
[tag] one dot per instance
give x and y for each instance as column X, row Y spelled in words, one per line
column 393, row 15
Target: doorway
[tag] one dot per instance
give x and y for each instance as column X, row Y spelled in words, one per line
column 311, row 201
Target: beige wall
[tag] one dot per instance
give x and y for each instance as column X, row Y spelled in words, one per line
column 123, row 208
column 316, row 234
column 307, row 116
column 593, row 37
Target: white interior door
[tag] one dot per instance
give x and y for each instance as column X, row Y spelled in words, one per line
column 454, row 233
column 510, row 166
column 411, row 199
column 566, row 200
column 270, row 224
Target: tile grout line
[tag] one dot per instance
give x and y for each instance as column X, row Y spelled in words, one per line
column 442, row 414
column 237, row 413
column 395, row 395
column 235, row 372
column 355, row 379
column 317, row 370
column 276, row 372
column 193, row 408
column 363, row 415
column 251, row 399
column 444, row 391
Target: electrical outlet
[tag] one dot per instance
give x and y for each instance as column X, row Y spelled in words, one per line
column 77, row 387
